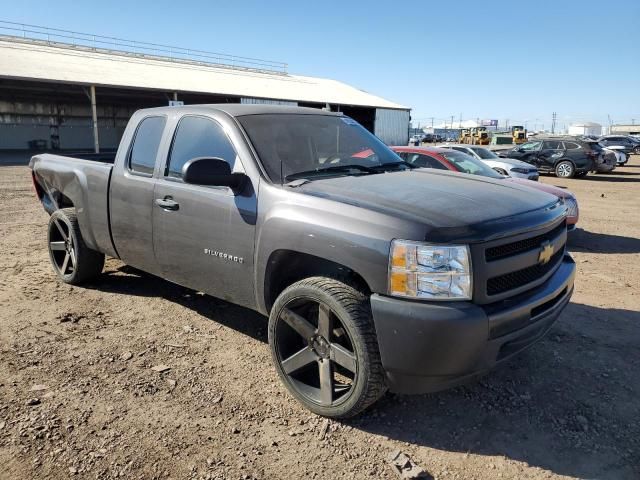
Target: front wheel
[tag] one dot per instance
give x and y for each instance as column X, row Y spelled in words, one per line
column 565, row 169
column 636, row 150
column 72, row 260
column 324, row 347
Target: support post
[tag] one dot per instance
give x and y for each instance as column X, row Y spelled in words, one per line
column 175, row 96
column 94, row 115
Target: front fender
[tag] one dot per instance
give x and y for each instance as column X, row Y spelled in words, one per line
column 347, row 235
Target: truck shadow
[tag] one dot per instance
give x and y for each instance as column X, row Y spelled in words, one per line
column 568, row 405
column 615, row 176
column 584, row 241
column 127, row 280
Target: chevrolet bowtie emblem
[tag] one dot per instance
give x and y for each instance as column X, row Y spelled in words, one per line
column 546, row 252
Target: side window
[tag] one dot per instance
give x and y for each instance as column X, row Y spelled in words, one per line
column 460, row 149
column 146, row 142
column 530, row 146
column 571, row 146
column 198, row 137
column 425, row 161
column 552, row 145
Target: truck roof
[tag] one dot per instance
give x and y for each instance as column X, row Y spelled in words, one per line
column 238, row 109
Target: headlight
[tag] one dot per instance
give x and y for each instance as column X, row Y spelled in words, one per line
column 434, row 272
column 520, row 170
column 572, row 207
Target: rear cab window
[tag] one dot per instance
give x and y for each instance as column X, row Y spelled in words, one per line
column 146, row 142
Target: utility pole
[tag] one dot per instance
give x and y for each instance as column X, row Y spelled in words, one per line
column 452, row 121
column 633, row 121
column 553, row 123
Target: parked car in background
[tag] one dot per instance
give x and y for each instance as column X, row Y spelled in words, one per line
column 564, row 157
column 606, row 160
column 509, row 167
column 627, row 142
column 446, row 159
column 621, row 157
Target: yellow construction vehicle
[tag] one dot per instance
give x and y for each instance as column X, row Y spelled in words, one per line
column 464, row 135
column 478, row 136
column 519, row 134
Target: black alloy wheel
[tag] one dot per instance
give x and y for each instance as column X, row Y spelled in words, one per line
column 72, row 260
column 320, row 332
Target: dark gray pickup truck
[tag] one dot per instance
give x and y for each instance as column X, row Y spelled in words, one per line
column 375, row 275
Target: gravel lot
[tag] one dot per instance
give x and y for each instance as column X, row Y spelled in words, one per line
column 80, row 397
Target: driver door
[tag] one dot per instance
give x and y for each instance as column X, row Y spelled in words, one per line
column 550, row 151
column 203, row 236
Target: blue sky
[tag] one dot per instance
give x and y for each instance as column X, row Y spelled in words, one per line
column 507, row 60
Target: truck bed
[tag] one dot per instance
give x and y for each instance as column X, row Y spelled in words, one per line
column 70, row 181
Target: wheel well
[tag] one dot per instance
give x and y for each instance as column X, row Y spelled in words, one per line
column 286, row 267
column 560, row 160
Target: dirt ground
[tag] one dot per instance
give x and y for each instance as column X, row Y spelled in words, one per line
column 79, row 396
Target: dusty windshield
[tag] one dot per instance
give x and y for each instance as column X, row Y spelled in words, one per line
column 296, row 146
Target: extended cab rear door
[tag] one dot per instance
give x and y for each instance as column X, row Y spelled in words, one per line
column 131, row 191
column 203, row 236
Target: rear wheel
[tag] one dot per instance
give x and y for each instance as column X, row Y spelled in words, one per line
column 565, row 169
column 72, row 260
column 324, row 347
column 636, row 150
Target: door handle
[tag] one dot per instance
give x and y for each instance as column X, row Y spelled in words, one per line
column 167, row 203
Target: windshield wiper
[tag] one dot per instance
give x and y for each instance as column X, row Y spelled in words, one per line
column 385, row 166
column 336, row 168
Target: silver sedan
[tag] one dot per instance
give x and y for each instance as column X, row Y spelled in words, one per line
column 509, row 167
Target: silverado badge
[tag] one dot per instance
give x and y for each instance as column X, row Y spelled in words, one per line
column 546, row 252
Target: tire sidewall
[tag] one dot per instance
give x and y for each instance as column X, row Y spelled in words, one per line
column 363, row 362
column 62, row 217
column 571, row 166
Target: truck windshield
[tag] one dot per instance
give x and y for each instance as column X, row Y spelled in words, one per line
column 295, row 146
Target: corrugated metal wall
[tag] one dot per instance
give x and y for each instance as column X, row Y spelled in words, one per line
column 265, row 101
column 392, row 126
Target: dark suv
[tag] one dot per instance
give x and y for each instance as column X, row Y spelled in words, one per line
column 630, row 145
column 561, row 156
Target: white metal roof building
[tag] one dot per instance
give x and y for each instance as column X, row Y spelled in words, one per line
column 585, row 128
column 48, row 78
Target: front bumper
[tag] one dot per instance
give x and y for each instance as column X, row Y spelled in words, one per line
column 527, row 176
column 430, row 346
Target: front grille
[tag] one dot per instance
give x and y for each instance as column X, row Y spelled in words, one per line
column 512, row 280
column 509, row 249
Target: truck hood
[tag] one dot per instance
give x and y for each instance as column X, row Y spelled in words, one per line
column 450, row 205
column 558, row 192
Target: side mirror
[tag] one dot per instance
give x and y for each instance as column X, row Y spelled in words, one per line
column 211, row 171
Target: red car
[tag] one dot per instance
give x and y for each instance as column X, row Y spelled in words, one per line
column 446, row 159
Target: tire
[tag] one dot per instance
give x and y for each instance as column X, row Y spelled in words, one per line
column 321, row 328
column 565, row 169
column 73, row 262
column 636, row 150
